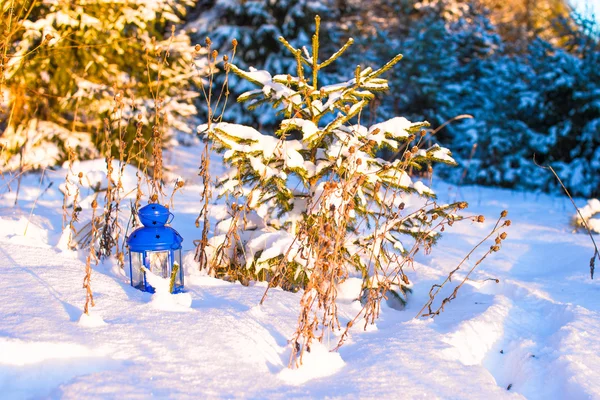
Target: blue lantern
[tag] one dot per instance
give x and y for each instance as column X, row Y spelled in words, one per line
column 156, row 247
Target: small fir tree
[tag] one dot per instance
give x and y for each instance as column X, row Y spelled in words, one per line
column 316, row 204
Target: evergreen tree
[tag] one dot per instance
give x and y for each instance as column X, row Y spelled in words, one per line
column 281, row 178
column 256, row 25
column 70, row 66
column 541, row 107
column 315, row 204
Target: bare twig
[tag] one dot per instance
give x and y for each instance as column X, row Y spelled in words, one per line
column 586, row 226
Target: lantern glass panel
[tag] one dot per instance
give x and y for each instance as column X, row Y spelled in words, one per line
column 159, row 263
column 137, row 275
column 179, row 277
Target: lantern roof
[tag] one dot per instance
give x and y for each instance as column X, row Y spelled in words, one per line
column 154, row 215
column 154, row 235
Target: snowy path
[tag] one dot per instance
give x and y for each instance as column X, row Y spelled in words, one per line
column 536, row 331
column 540, row 333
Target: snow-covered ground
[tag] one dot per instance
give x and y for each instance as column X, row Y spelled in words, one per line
column 535, row 334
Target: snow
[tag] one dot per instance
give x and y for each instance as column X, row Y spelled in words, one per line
column 397, row 127
column 309, row 129
column 536, row 330
column 587, row 213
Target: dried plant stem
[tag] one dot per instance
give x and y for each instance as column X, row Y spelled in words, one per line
column 20, row 174
column 435, row 289
column 36, row 200
column 201, row 256
column 203, row 216
column 67, row 194
column 584, row 222
column 87, row 280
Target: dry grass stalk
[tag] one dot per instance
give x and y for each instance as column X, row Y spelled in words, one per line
column 583, row 221
column 435, row 289
column 67, row 194
column 92, row 256
column 36, row 199
column 76, row 209
column 391, row 278
column 214, row 115
column 107, row 240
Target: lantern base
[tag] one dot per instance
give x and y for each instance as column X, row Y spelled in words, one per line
column 150, row 289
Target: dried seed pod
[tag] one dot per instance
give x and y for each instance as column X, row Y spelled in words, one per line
column 234, row 43
column 197, row 48
column 503, row 235
column 504, row 213
column 462, row 205
column 494, row 248
column 480, row 218
column 207, row 41
column 507, row 222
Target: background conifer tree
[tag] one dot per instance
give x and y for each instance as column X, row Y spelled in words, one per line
column 68, row 65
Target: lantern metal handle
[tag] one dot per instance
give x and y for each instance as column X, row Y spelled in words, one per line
column 171, row 216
